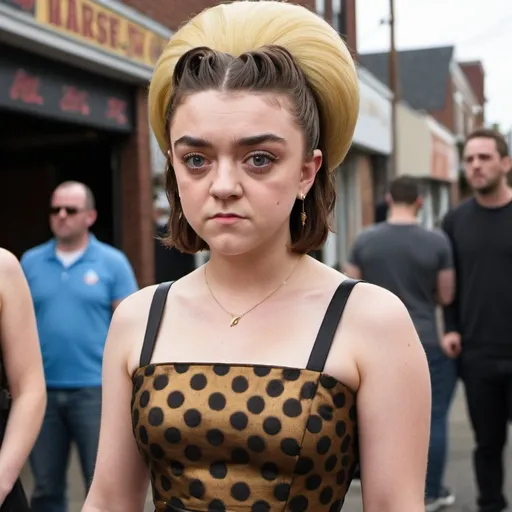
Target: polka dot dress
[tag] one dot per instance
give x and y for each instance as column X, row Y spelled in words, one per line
column 243, row 438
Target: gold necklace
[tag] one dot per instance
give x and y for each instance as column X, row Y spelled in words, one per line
column 235, row 319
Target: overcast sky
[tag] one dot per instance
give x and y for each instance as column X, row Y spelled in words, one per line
column 479, row 30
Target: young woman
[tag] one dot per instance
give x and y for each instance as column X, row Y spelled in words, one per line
column 22, row 371
column 260, row 380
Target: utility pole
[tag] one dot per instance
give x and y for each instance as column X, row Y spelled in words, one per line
column 394, row 86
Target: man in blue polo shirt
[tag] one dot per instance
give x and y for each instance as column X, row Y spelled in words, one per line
column 76, row 282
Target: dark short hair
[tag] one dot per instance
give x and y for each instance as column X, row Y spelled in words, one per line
column 495, row 135
column 404, row 190
column 273, row 69
column 90, row 201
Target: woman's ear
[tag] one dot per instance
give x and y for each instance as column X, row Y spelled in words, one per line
column 309, row 171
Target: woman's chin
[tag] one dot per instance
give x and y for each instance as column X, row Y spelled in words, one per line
column 230, row 245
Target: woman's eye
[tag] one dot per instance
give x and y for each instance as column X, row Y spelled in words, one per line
column 261, row 160
column 195, row 161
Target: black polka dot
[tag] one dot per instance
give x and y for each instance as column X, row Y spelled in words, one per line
column 292, row 408
column 198, row 382
column 256, row 404
column 176, row 502
column 345, row 445
column 352, row 413
column 260, row 506
column 272, row 426
column 308, row 391
column 336, row 506
column 192, row 418
column 216, row 506
column 240, row 384
column 196, row 489
column 291, row 374
column 239, row 456
column 290, row 447
column 156, row 417
column 215, row 437
column 172, row 435
column 323, row 445
column 219, row 470
column 281, row 492
column 165, row 483
column 327, row 381
column 240, row 491
column 150, row 370
column 144, row 399
column 156, row 451
column 262, row 371
column 330, row 463
column 239, row 420
column 326, row 495
column 175, row 400
column 177, row 468
column 314, row 424
column 181, row 368
column 217, row 402
column 313, row 482
column 275, row 388
column 339, row 400
column 256, row 444
column 345, row 460
column 221, row 369
column 137, row 383
column 341, row 477
column 341, row 428
column 193, row 453
column 143, row 435
column 135, row 417
column 269, row 471
column 326, row 412
column 299, row 504
column 304, row 466
column 160, row 382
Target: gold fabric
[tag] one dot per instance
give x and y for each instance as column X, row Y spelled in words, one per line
column 244, row 438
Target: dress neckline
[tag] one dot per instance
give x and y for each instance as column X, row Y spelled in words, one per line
column 210, row 365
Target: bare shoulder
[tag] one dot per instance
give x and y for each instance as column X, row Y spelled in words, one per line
column 379, row 328
column 377, row 313
column 11, row 273
column 8, row 262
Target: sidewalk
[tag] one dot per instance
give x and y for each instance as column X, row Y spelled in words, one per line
column 459, row 473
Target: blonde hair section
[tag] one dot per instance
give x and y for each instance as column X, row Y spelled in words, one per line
column 244, row 26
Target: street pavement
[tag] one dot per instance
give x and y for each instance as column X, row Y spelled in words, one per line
column 459, row 471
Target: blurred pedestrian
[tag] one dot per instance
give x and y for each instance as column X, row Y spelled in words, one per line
column 415, row 264
column 479, row 322
column 76, row 283
column 23, row 392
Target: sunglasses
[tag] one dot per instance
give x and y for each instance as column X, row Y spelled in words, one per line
column 70, row 210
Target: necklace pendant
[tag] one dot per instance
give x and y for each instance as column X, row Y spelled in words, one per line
column 235, row 320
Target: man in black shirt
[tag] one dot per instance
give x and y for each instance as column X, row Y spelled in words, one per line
column 478, row 324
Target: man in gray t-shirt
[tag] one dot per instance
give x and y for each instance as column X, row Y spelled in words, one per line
column 416, row 265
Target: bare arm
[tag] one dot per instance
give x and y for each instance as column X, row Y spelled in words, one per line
column 120, row 480
column 393, row 406
column 445, row 287
column 24, row 370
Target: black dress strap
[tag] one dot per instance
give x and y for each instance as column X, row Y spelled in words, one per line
column 156, row 312
column 330, row 323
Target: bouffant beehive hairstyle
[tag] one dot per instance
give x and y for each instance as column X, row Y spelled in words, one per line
column 263, row 46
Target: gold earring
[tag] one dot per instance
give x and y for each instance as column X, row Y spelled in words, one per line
column 303, row 216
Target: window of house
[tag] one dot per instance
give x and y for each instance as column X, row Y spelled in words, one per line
column 320, row 7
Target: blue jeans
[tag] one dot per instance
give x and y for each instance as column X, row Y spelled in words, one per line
column 443, row 377
column 72, row 415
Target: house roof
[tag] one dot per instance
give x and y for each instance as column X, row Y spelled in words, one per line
column 423, row 74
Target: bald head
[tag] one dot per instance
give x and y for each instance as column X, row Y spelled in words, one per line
column 78, row 188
